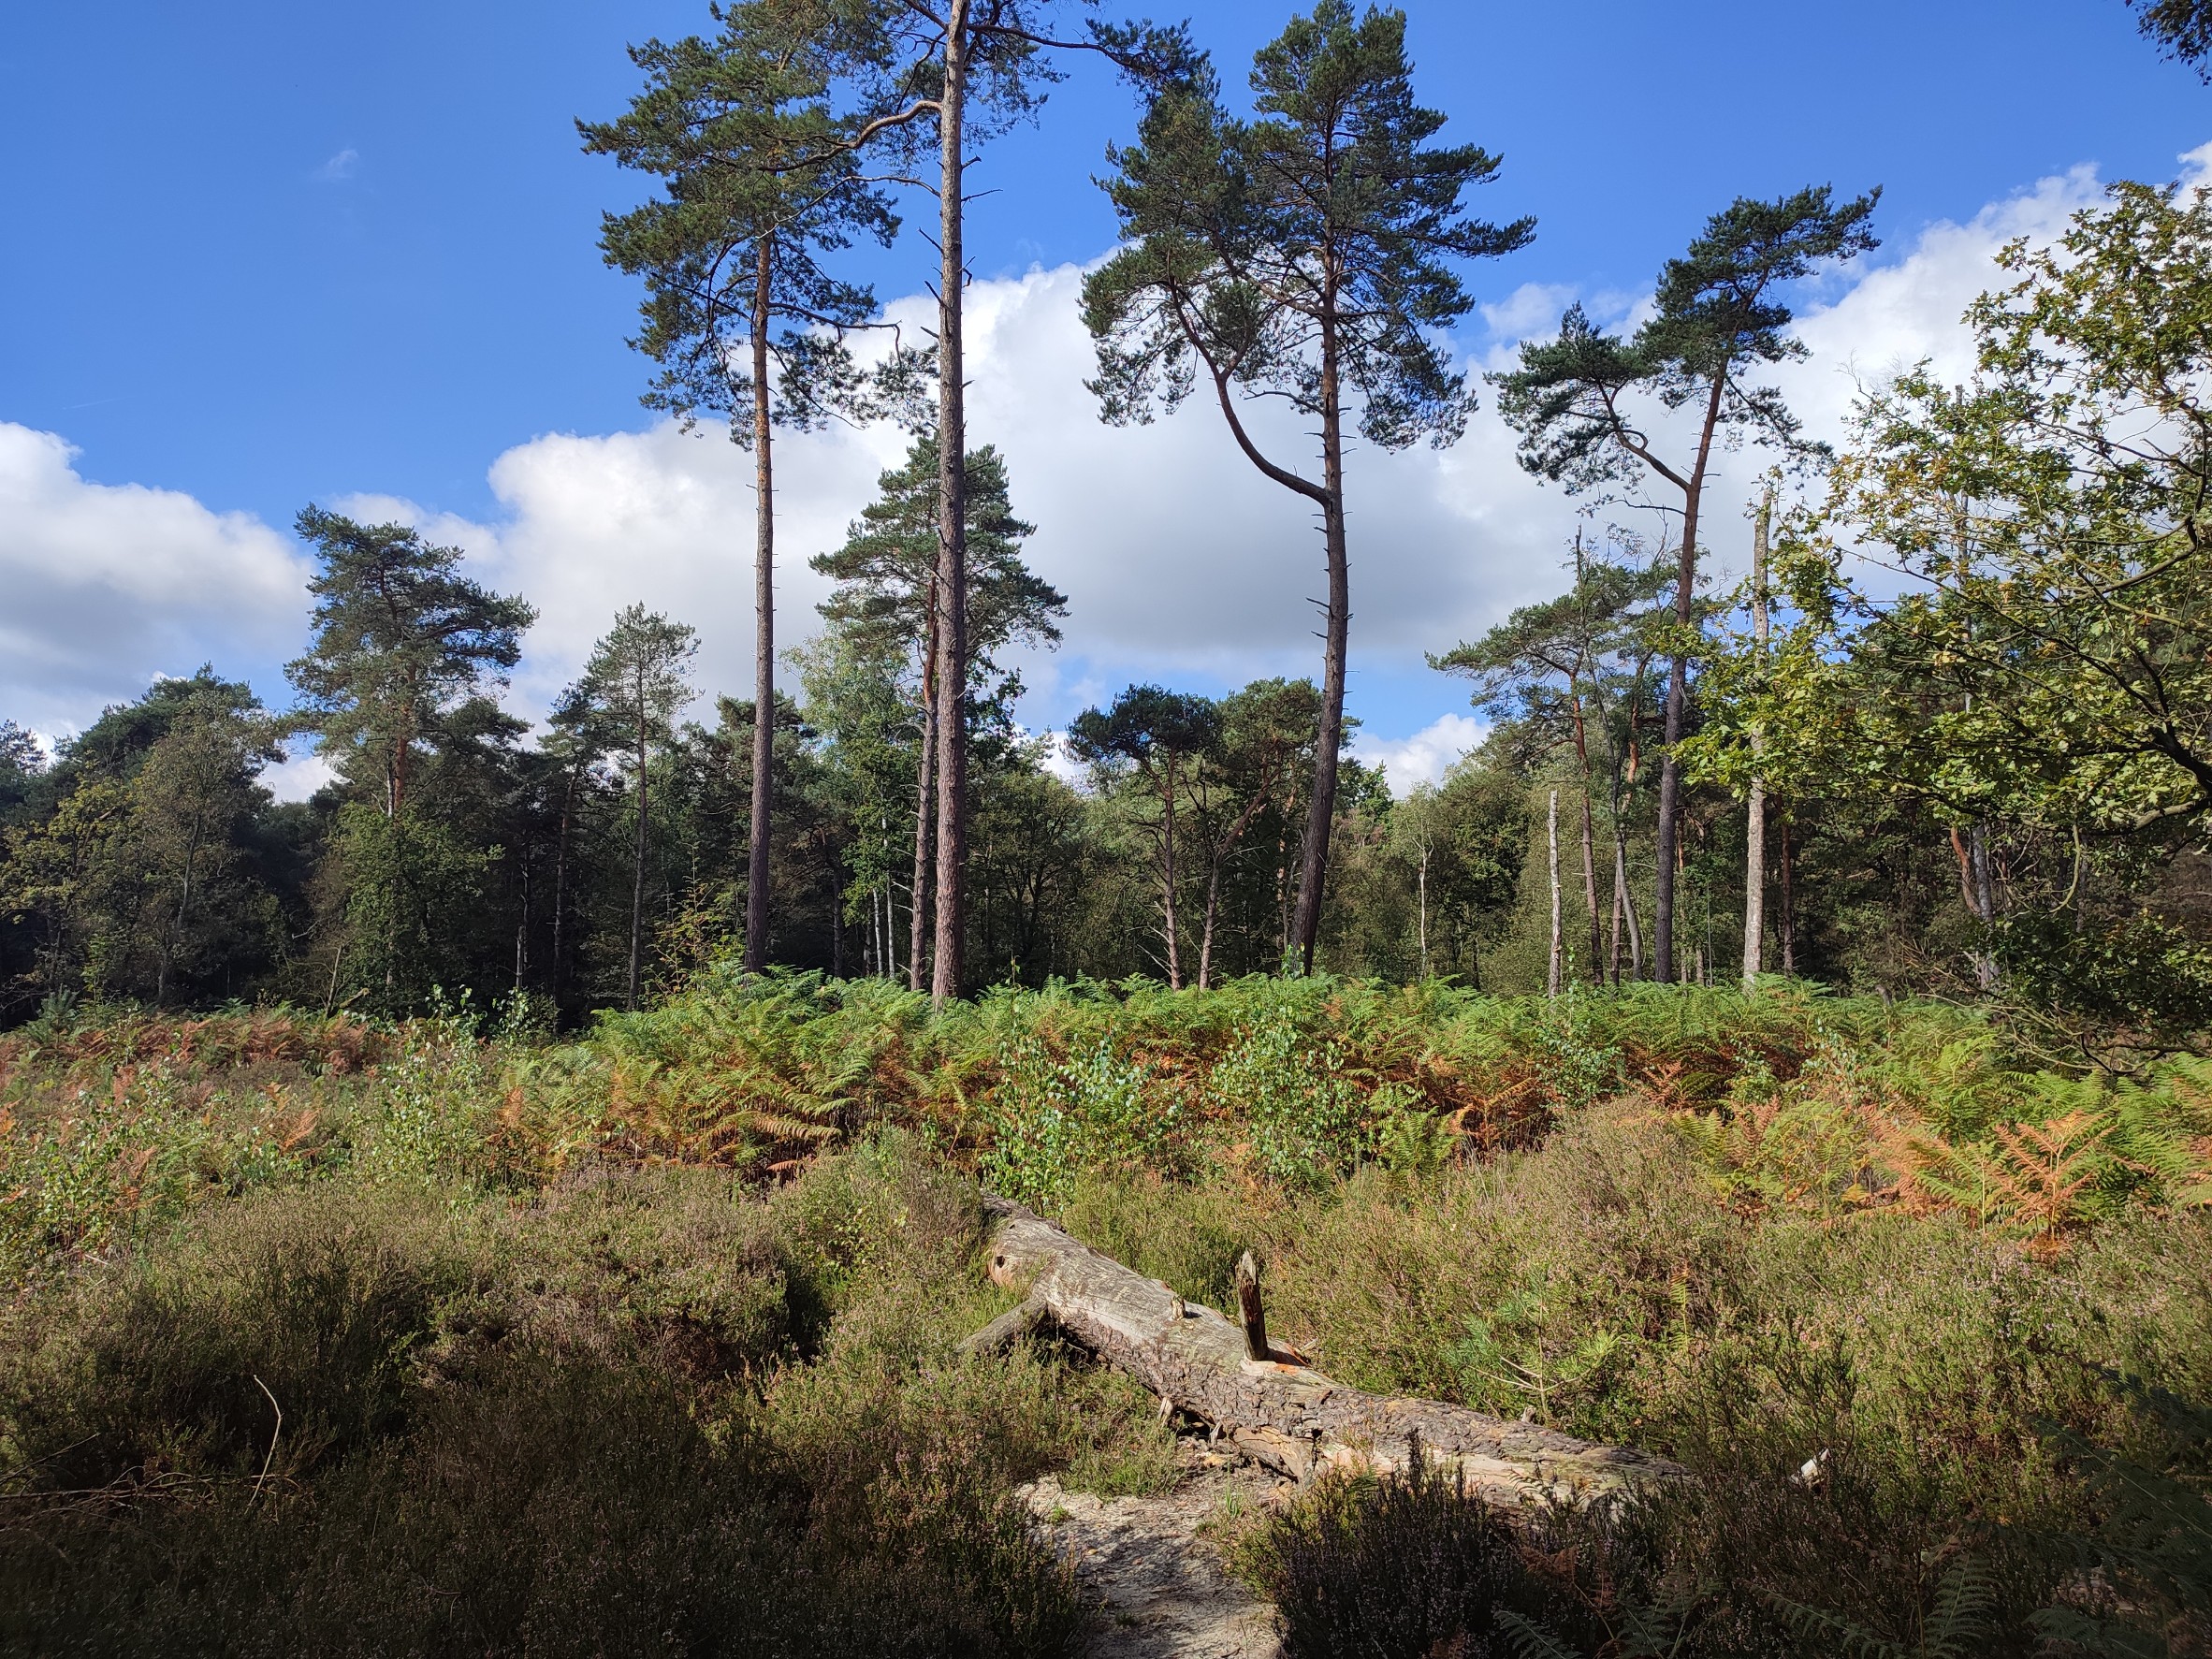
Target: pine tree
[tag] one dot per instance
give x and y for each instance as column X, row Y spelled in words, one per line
column 886, row 602
column 740, row 312
column 1307, row 254
column 637, row 680
column 1717, row 321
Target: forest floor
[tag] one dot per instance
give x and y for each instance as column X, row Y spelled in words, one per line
column 1152, row 1566
column 325, row 1335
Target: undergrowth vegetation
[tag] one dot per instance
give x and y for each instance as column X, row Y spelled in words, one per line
column 325, row 1335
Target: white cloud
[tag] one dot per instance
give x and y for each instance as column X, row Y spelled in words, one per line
column 1179, row 560
column 340, row 168
column 1532, row 309
column 1894, row 315
column 299, row 775
column 1425, row 756
column 108, row 585
column 661, row 518
column 1177, row 557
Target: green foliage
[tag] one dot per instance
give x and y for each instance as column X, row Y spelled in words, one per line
column 2148, row 1588
column 2181, row 28
column 758, row 187
column 97, row 1169
column 146, row 879
column 1051, row 1121
column 2041, row 680
column 1245, row 243
column 407, row 877
column 1670, row 1253
column 1401, row 1567
column 1309, row 1122
column 647, row 1409
column 430, row 1121
column 404, row 649
column 885, row 570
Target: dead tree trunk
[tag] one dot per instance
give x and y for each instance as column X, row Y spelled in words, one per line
column 1277, row 1411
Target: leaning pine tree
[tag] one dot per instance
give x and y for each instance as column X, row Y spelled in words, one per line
column 1585, row 401
column 1305, row 255
column 739, row 312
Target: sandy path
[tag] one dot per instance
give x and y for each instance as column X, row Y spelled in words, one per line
column 1159, row 1584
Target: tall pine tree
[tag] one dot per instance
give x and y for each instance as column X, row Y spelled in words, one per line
column 1306, row 255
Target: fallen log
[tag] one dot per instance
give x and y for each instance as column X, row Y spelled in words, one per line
column 1279, row 1412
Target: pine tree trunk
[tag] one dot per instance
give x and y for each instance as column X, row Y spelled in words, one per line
column 637, row 869
column 951, row 555
column 1167, row 872
column 1754, row 831
column 1321, row 810
column 1275, row 1409
column 568, row 800
column 764, row 610
column 1588, row 833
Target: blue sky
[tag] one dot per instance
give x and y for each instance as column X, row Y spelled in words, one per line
column 266, row 254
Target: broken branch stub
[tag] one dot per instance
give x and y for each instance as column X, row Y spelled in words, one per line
column 1284, row 1414
column 1254, row 1316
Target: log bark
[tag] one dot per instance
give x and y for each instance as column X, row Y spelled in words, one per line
column 1280, row 1413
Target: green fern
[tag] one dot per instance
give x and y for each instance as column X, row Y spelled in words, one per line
column 1532, row 1641
column 1958, row 1625
column 2154, row 1546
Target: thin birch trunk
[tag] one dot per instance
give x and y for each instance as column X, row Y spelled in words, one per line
column 1551, row 827
column 1613, row 931
column 1424, row 908
column 1590, row 874
column 1206, row 937
column 1635, row 937
column 1789, row 919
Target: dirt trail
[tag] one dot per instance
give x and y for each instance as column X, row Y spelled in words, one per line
column 1159, row 1584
